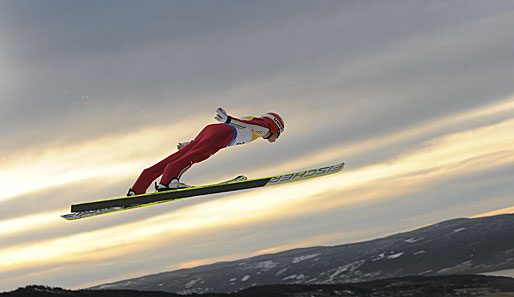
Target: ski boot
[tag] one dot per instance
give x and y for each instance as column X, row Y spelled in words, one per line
column 173, row 185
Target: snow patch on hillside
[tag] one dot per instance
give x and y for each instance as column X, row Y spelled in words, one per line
column 303, row 258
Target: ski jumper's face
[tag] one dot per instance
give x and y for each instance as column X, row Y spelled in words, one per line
column 273, row 138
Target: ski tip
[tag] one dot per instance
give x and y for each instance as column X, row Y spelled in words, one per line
column 306, row 174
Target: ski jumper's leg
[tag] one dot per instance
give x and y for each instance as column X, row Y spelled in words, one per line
column 210, row 140
column 212, row 137
column 148, row 175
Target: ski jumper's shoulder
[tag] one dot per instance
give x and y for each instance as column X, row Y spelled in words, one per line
column 254, row 121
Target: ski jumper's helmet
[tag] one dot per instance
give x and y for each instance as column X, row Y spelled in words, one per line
column 275, row 122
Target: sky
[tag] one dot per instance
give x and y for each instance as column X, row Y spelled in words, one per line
column 416, row 97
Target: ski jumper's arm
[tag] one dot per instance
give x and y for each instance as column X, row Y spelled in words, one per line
column 254, row 125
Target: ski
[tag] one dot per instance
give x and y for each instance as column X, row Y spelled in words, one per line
column 95, row 212
column 89, row 209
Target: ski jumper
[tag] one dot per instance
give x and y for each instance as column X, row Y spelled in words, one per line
column 208, row 142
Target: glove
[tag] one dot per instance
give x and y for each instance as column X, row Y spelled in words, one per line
column 221, row 115
column 181, row 145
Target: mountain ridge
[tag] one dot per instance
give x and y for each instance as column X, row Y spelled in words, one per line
column 463, row 245
column 434, row 286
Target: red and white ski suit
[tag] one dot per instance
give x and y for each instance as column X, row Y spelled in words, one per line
column 208, row 142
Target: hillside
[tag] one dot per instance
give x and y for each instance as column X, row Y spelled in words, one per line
column 434, row 286
column 461, row 246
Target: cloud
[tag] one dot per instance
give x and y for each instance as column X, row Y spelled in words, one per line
column 415, row 97
column 507, row 210
column 452, row 162
column 90, row 69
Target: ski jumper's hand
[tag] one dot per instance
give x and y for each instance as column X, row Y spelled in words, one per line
column 181, row 145
column 221, row 115
column 248, row 125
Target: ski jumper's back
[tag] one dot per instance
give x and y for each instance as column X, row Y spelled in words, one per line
column 242, row 136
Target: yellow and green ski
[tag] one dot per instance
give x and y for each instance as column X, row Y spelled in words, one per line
column 90, row 209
